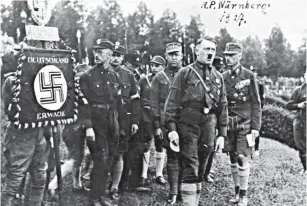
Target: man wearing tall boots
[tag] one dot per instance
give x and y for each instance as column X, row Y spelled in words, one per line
column 298, row 104
column 195, row 107
column 157, row 64
column 103, row 117
column 25, row 150
column 127, row 143
column 244, row 119
column 159, row 91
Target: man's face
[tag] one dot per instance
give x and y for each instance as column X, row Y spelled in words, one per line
column 155, row 68
column 116, row 59
column 101, row 55
column 174, row 58
column 233, row 59
column 205, row 51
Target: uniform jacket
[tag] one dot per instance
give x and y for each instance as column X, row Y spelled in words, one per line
column 145, row 85
column 298, row 96
column 100, row 86
column 243, row 95
column 158, row 93
column 187, row 91
column 129, row 93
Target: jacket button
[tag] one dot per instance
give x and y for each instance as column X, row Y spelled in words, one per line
column 97, row 85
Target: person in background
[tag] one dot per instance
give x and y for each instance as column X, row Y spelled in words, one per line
column 298, row 103
column 157, row 64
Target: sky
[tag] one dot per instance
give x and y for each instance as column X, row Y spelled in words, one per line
column 289, row 15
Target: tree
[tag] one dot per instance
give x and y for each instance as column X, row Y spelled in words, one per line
column 167, row 29
column 67, row 16
column 139, row 27
column 300, row 60
column 223, row 38
column 276, row 53
column 253, row 54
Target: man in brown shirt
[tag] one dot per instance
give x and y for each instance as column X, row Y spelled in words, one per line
column 195, row 107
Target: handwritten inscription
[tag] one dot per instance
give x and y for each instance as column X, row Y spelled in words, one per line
column 229, row 6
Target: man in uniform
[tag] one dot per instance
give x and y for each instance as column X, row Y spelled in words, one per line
column 244, row 119
column 195, row 107
column 131, row 102
column 157, row 64
column 25, row 150
column 102, row 117
column 132, row 62
column 74, row 138
column 298, row 103
column 218, row 63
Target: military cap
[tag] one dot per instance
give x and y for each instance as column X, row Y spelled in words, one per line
column 104, row 44
column 133, row 59
column 158, row 60
column 233, row 48
column 173, row 47
column 218, row 61
column 119, row 48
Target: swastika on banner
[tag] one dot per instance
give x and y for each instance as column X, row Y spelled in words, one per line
column 50, row 88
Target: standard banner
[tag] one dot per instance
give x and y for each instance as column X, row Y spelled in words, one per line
column 48, row 88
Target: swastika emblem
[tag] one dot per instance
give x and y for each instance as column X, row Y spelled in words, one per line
column 50, row 88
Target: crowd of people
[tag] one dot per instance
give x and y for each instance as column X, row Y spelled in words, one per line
column 190, row 112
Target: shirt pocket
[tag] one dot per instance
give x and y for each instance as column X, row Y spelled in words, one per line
column 194, row 89
column 126, row 89
column 164, row 87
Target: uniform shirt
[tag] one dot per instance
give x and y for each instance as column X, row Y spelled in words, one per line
column 145, row 85
column 100, row 86
column 129, row 92
column 243, row 95
column 298, row 96
column 187, row 91
column 159, row 90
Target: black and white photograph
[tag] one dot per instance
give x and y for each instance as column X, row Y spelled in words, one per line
column 153, row 102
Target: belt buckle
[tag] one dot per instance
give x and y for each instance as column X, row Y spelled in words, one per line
column 206, row 110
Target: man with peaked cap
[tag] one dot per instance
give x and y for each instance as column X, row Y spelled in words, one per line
column 159, row 91
column 133, row 63
column 103, row 117
column 157, row 64
column 195, row 107
column 298, row 103
column 128, row 143
column 244, row 119
column 218, row 63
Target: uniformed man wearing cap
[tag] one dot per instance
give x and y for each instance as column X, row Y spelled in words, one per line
column 195, row 107
column 102, row 117
column 133, row 63
column 244, row 119
column 157, row 64
column 159, row 91
column 131, row 102
column 298, row 103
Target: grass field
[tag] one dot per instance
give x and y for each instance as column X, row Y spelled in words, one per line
column 274, row 182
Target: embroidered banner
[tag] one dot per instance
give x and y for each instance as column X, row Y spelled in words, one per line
column 48, row 89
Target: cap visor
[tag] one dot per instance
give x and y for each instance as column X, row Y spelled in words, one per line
column 155, row 62
column 230, row 52
column 173, row 50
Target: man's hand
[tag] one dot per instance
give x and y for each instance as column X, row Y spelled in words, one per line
column 134, row 129
column 90, row 134
column 301, row 105
column 219, row 144
column 159, row 132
